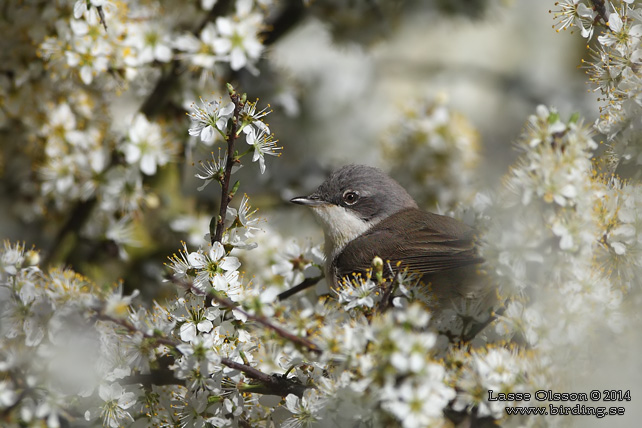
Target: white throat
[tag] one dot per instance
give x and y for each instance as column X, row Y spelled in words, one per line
column 340, row 226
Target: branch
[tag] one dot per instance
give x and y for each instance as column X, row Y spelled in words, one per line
column 273, row 384
column 307, row 283
column 301, row 341
column 154, row 377
column 600, row 8
column 226, row 196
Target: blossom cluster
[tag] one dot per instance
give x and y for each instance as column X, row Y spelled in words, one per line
column 433, row 151
column 76, row 149
column 98, row 36
column 613, row 68
column 56, row 352
column 557, row 250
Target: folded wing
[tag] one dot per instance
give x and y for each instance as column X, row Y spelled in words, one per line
column 424, row 242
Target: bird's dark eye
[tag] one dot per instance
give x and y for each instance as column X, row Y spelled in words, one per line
column 350, row 197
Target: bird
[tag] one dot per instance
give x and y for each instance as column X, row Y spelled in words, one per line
column 366, row 214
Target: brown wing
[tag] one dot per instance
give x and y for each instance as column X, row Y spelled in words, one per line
column 427, row 243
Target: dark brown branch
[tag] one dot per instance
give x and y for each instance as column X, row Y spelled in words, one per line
column 101, row 15
column 307, row 283
column 275, row 384
column 301, row 341
column 154, row 377
column 226, row 197
column 600, row 9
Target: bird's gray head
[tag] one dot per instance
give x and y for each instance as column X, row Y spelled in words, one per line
column 353, row 199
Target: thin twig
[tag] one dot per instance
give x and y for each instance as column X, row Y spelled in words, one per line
column 600, row 8
column 307, row 283
column 278, row 385
column 226, row 197
column 301, row 341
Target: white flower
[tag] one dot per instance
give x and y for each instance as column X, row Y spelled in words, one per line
column 117, row 305
column 572, row 12
column 59, row 178
column 419, row 402
column 201, row 348
column 250, row 116
column 212, row 170
column 304, row 410
column 122, row 189
column 82, row 6
column 214, row 268
column 210, row 120
column 238, row 41
column 411, row 355
column 358, row 292
column 61, row 122
column 146, row 145
column 90, row 56
column 151, row 43
column 497, row 367
column 413, row 315
column 179, row 263
column 545, row 123
column 195, row 319
column 241, row 225
column 295, row 263
column 116, row 402
column 12, row 258
column 263, row 145
column 621, row 37
column 201, row 50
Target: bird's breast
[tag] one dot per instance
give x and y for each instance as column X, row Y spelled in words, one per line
column 340, row 226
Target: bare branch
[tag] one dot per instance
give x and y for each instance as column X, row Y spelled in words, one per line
column 307, row 283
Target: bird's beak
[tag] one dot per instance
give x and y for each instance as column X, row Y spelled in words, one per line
column 311, row 201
